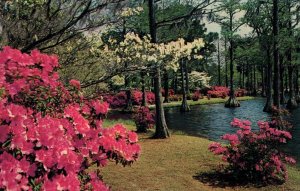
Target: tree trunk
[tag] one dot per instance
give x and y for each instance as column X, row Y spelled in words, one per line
column 292, row 103
column 184, row 105
column 225, row 59
column 297, row 85
column 263, row 87
column 232, row 101
column 128, row 92
column 269, row 103
column 186, row 73
column 243, row 80
column 282, row 97
column 240, row 79
column 219, row 64
column 251, row 80
column 276, row 55
column 144, row 97
column 166, row 86
column 175, row 83
column 161, row 129
column 254, row 81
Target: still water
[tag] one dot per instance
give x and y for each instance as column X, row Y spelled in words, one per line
column 212, row 121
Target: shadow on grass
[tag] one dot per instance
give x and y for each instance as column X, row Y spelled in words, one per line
column 222, row 179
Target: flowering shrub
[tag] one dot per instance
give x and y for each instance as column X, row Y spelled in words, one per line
column 150, row 98
column 116, row 101
column 49, row 136
column 137, row 97
column 196, row 96
column 218, row 92
column 171, row 92
column 240, row 92
column 119, row 100
column 144, row 119
column 255, row 155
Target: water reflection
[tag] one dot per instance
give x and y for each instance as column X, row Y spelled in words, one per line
column 212, row 121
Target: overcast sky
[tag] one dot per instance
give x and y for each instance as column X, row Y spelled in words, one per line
column 214, row 27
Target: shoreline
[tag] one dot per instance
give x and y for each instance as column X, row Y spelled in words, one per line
column 203, row 101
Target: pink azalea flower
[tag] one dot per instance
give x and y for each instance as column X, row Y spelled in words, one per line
column 75, row 83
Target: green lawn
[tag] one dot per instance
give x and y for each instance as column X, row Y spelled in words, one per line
column 204, row 101
column 180, row 163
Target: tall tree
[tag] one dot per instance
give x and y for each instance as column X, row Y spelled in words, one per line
column 230, row 26
column 292, row 103
column 161, row 128
column 258, row 17
column 184, row 106
column 276, row 80
column 219, row 64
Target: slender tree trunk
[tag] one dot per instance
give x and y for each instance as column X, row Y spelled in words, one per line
column 269, row 103
column 186, row 73
column 254, row 81
column 286, row 82
column 243, row 81
column 282, row 97
column 232, row 101
column 144, row 97
column 184, row 105
column 292, row 103
column 226, row 70
column 297, row 85
column 152, row 85
column 276, row 55
column 161, row 128
column 251, row 80
column 166, row 86
column 175, row 83
column 240, row 79
column 263, row 82
column 219, row 64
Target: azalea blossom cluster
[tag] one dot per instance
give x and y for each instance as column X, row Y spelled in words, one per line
column 119, row 100
column 50, row 136
column 144, row 119
column 255, row 155
column 218, row 92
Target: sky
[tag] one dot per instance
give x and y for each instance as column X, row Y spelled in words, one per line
column 243, row 30
column 215, row 27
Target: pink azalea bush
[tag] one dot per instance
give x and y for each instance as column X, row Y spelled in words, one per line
column 50, row 136
column 119, row 100
column 163, row 92
column 150, row 97
column 255, row 156
column 197, row 95
column 218, row 92
column 144, row 119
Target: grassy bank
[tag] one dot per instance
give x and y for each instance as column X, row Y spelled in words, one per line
column 204, row 101
column 180, row 163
